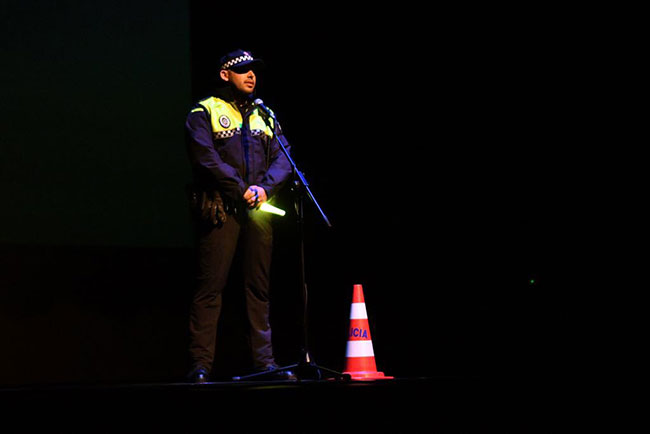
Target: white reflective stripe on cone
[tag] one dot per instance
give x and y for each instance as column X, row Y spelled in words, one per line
column 358, row 311
column 359, row 349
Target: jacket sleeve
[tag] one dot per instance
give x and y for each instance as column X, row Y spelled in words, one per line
column 206, row 161
column 279, row 167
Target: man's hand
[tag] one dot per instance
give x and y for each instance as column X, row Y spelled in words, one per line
column 255, row 196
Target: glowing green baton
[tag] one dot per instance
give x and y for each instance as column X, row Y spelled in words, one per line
column 267, row 207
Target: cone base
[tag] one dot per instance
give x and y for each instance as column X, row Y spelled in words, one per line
column 364, row 375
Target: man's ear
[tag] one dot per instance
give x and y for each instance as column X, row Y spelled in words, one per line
column 224, row 75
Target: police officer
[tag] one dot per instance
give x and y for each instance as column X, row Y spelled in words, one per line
column 237, row 165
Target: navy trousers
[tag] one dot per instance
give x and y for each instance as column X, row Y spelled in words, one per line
column 216, row 246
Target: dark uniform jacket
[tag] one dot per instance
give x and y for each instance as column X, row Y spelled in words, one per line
column 232, row 148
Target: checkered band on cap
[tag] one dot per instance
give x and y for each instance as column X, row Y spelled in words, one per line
column 237, row 60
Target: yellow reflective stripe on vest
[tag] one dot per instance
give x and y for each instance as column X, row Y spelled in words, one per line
column 223, row 116
column 257, row 123
column 226, row 119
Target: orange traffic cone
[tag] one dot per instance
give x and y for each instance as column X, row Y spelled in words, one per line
column 360, row 358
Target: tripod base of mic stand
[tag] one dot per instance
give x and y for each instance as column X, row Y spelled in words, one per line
column 303, row 370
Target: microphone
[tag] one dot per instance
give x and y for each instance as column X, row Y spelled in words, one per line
column 259, row 103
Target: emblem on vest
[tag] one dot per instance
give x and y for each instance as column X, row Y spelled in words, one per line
column 224, row 121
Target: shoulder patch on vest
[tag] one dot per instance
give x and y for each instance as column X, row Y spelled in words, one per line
column 224, row 121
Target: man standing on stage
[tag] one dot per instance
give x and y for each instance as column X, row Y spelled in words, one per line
column 237, row 165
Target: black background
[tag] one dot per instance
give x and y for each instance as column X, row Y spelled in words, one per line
column 435, row 143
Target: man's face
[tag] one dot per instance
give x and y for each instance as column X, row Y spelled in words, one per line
column 243, row 81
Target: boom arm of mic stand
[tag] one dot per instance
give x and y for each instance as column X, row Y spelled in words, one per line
column 300, row 175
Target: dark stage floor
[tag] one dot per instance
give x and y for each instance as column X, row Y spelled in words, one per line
column 401, row 405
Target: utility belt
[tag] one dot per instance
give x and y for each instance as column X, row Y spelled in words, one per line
column 210, row 206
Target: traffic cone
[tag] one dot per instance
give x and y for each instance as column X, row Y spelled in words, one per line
column 360, row 357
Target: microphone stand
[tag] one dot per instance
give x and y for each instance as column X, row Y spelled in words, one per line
column 305, row 368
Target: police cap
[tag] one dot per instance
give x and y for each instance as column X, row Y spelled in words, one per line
column 240, row 60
